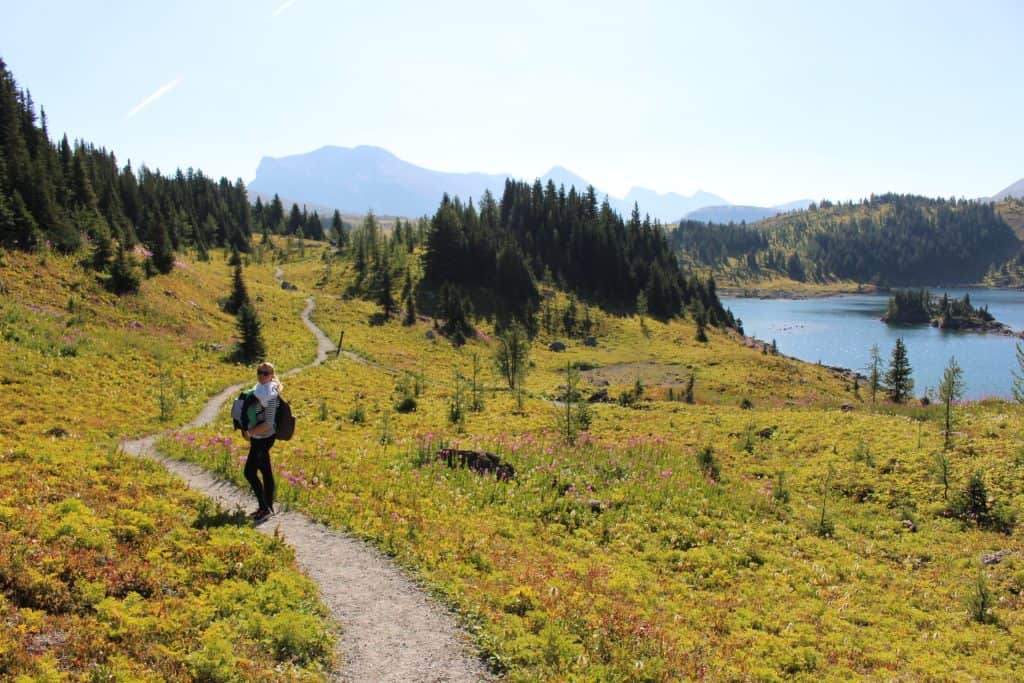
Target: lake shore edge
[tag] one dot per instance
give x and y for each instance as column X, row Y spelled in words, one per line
column 826, row 291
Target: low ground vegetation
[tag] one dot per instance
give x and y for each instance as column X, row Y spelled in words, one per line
column 109, row 568
column 779, row 526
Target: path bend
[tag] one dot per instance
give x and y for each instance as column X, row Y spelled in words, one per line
column 391, row 630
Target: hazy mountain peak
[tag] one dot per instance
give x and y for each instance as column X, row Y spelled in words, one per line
column 1015, row 190
column 669, row 206
column 560, row 175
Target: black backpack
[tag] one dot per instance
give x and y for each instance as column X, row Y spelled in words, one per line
column 244, row 410
column 284, row 421
column 246, row 407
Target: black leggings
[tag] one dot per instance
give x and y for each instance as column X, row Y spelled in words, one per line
column 259, row 461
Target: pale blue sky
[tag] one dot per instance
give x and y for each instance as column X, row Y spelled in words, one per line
column 760, row 102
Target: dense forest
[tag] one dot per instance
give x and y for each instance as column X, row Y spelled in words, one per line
column 72, row 195
column 567, row 238
column 887, row 239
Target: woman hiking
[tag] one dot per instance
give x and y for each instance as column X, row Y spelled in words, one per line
column 261, row 438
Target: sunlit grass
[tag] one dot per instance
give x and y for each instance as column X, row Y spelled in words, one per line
column 620, row 558
column 109, row 568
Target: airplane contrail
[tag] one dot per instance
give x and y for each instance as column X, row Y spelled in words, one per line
column 283, row 7
column 160, row 92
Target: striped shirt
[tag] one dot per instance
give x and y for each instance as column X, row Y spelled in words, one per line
column 268, row 415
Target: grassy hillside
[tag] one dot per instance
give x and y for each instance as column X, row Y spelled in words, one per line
column 1011, row 210
column 1010, row 272
column 779, row 527
column 109, row 568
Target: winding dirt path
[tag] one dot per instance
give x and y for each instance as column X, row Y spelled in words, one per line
column 390, row 629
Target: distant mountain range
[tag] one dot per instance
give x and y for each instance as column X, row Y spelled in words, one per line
column 734, row 213
column 355, row 179
column 359, row 178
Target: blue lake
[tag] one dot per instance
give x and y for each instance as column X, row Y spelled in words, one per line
column 840, row 331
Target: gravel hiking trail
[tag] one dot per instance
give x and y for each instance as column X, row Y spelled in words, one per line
column 390, row 629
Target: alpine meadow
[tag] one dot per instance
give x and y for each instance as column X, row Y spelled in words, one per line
column 538, row 409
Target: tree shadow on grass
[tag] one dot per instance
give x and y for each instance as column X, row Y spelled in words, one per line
column 377, row 319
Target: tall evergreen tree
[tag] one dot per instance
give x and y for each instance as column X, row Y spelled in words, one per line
column 275, row 215
column 446, row 254
column 898, row 380
column 82, row 194
column 251, row 346
column 384, row 286
column 99, row 236
column 239, row 294
column 338, row 230
column 163, row 253
column 18, row 228
column 296, row 219
column 456, row 311
column 409, row 300
column 259, row 216
column 314, row 229
column 516, row 284
column 124, row 275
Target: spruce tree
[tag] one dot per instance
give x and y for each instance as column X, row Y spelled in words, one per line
column 898, row 380
column 314, row 228
column 250, row 331
column 446, row 253
column 163, row 253
column 275, row 215
column 239, row 294
column 18, row 228
column 409, row 299
column 456, row 310
column 296, row 220
column 569, row 317
column 385, row 297
column 700, row 316
column 99, row 235
column 338, row 230
column 124, row 275
column 83, row 196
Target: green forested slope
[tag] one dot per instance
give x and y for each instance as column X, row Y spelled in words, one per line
column 887, row 239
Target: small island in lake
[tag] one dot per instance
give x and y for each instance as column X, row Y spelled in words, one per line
column 919, row 307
